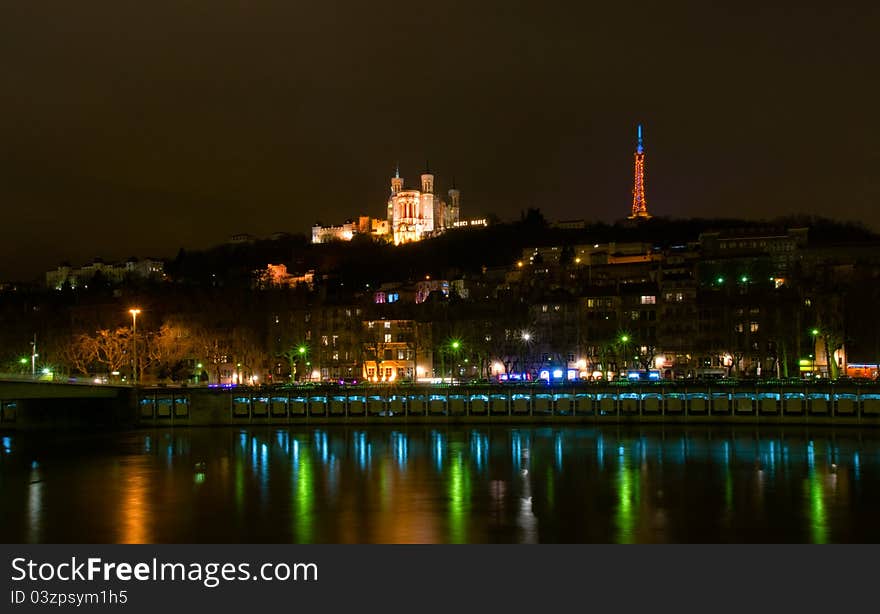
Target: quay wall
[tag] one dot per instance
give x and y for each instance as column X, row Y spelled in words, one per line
column 828, row 404
column 853, row 405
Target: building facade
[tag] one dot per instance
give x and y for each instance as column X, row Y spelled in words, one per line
column 113, row 273
column 411, row 215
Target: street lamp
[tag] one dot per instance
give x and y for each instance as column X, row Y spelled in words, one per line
column 301, row 350
column 624, row 340
column 815, row 334
column 526, row 337
column 34, row 357
column 134, row 314
column 455, row 344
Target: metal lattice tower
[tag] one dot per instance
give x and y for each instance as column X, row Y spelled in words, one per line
column 640, row 204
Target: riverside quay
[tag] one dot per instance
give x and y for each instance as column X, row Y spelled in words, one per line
column 56, row 405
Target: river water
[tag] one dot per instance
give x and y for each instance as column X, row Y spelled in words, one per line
column 442, row 485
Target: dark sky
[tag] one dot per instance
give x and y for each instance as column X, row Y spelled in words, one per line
column 133, row 127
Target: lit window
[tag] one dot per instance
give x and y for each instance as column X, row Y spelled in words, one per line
column 323, row 339
column 544, row 308
column 387, row 324
column 649, row 300
column 387, row 337
column 370, row 324
column 335, row 355
column 393, row 297
column 753, row 327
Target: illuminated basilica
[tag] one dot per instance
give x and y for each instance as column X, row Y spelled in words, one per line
column 412, row 215
column 416, row 214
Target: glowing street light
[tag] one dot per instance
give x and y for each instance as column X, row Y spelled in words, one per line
column 624, row 340
column 134, row 363
column 455, row 345
column 815, row 334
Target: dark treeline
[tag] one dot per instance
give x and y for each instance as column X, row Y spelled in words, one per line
column 466, row 251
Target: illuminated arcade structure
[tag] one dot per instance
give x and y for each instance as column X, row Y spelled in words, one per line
column 640, row 205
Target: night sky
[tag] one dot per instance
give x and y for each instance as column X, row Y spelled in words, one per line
column 133, row 127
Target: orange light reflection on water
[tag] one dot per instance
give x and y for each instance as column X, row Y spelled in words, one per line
column 134, row 509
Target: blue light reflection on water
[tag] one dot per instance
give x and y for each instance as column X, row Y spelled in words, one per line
column 539, row 484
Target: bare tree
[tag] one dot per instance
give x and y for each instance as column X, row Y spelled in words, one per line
column 112, row 348
column 79, row 354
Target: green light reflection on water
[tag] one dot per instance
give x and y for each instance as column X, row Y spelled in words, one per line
column 627, row 501
column 818, row 515
column 239, row 483
column 303, row 501
column 385, row 483
column 459, row 495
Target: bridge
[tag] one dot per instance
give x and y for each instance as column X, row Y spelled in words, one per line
column 28, row 403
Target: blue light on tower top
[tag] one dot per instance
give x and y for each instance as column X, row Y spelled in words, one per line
column 639, row 148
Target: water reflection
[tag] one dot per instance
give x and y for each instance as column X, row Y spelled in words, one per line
column 133, row 508
column 453, row 485
column 625, row 515
column 34, row 502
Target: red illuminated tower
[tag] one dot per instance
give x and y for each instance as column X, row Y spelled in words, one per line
column 640, row 205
